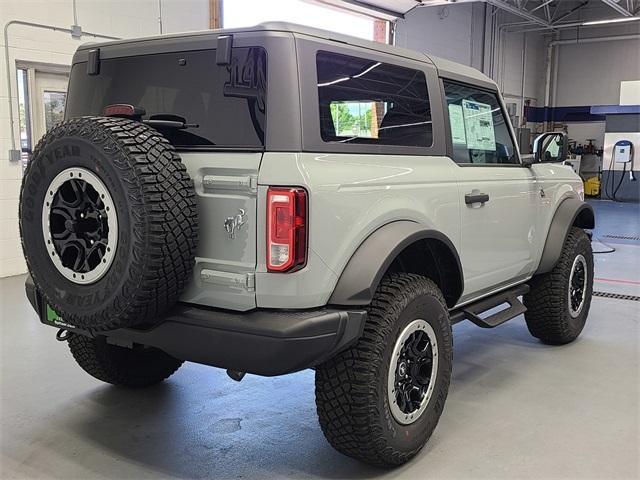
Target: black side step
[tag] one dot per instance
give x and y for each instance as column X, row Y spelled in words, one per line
column 473, row 311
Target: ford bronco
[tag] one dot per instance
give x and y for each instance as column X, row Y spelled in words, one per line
column 277, row 198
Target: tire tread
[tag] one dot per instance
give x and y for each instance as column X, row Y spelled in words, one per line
column 547, row 314
column 163, row 213
column 346, row 383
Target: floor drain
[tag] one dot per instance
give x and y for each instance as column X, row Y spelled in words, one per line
column 618, row 296
column 623, row 237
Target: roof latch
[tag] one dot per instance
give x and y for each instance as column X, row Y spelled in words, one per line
column 223, row 50
column 93, row 62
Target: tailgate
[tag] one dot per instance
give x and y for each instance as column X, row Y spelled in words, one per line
column 226, row 188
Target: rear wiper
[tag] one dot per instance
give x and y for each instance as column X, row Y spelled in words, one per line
column 168, row 120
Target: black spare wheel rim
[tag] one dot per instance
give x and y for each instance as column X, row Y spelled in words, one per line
column 412, row 373
column 80, row 225
column 108, row 223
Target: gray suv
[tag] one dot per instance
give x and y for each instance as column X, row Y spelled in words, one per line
column 277, row 198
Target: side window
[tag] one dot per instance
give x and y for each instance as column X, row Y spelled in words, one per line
column 367, row 102
column 478, row 128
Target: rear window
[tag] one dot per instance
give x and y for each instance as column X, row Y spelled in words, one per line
column 368, row 102
column 225, row 105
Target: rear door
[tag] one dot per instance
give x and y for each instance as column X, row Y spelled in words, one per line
column 499, row 198
column 221, row 112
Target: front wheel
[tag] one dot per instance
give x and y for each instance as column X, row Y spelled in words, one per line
column 380, row 400
column 558, row 302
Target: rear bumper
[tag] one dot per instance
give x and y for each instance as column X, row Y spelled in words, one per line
column 262, row 342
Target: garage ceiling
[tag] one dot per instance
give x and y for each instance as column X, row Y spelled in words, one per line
column 542, row 12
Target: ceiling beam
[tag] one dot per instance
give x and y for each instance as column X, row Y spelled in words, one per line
column 547, row 2
column 547, row 12
column 570, row 12
column 613, row 4
column 516, row 11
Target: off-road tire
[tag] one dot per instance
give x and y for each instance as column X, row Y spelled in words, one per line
column 351, row 388
column 155, row 202
column 130, row 367
column 547, row 315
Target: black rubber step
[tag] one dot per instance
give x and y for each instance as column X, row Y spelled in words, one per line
column 473, row 311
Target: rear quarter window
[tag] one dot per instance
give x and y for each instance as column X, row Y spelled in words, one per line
column 367, row 102
column 226, row 105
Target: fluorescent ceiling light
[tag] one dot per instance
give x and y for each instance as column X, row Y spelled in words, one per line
column 612, row 20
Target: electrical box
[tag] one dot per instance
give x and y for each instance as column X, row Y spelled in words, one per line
column 622, row 152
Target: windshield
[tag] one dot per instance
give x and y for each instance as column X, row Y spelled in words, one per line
column 225, row 105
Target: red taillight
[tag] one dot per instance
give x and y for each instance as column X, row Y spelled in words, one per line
column 118, row 109
column 123, row 110
column 286, row 229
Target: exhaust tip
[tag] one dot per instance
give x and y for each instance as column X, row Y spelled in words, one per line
column 236, row 375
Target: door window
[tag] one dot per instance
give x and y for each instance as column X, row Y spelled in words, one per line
column 479, row 131
column 368, row 102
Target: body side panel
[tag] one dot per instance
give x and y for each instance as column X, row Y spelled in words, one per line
column 350, row 197
column 558, row 210
column 372, row 259
column 499, row 237
column 559, row 183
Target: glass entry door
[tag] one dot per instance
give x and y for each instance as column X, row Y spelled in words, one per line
column 48, row 101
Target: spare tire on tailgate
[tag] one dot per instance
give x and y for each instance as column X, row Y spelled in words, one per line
column 108, row 222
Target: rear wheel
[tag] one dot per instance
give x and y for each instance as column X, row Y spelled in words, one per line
column 558, row 302
column 380, row 400
column 130, row 367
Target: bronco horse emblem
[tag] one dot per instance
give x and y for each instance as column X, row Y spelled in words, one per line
column 233, row 224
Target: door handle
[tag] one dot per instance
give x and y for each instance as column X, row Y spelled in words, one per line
column 476, row 197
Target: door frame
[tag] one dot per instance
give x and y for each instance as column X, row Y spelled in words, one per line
column 32, row 68
column 532, row 181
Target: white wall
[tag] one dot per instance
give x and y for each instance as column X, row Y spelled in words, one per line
column 510, row 75
column 460, row 32
column 590, row 74
column 441, row 31
column 119, row 18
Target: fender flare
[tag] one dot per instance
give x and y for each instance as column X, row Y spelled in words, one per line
column 366, row 267
column 570, row 212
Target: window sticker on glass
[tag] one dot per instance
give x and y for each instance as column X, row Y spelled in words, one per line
column 456, row 118
column 478, row 121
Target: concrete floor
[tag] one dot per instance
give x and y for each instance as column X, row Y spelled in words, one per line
column 516, row 409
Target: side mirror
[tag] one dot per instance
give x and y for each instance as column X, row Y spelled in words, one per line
column 551, row 147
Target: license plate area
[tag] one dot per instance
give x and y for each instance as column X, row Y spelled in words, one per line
column 49, row 316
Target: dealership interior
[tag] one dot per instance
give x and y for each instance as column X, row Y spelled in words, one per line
column 517, row 406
